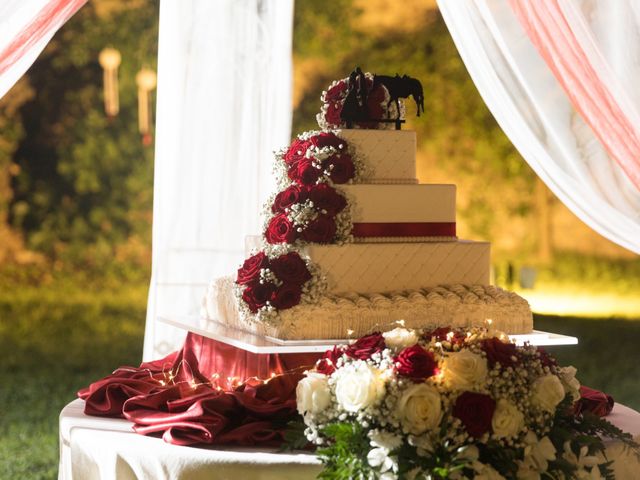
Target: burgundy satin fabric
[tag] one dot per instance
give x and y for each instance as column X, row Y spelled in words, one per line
column 208, row 392
column 594, row 401
column 415, row 229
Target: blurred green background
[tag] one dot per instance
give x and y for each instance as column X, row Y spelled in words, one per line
column 76, row 197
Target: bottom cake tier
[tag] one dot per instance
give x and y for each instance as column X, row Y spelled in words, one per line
column 349, row 316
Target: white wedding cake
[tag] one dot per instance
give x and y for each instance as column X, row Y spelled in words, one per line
column 353, row 243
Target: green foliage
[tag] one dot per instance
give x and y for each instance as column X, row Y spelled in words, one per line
column 85, row 180
column 56, row 339
column 346, row 456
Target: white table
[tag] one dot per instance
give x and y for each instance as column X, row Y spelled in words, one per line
column 104, row 448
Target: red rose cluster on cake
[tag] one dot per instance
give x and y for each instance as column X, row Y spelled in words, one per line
column 273, row 282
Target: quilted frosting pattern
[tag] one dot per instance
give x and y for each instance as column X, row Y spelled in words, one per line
column 390, row 155
column 337, row 315
column 388, row 267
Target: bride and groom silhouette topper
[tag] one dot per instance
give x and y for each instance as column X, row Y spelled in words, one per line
column 356, row 109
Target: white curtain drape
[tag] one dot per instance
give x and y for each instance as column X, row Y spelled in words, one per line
column 532, row 85
column 223, row 107
column 26, row 26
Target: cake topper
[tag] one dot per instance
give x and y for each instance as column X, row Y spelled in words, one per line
column 356, row 108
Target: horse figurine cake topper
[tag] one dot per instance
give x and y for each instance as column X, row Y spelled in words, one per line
column 355, row 108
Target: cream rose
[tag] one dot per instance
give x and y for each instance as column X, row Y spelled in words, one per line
column 548, row 392
column 400, row 338
column 358, row 388
column 313, row 394
column 464, row 369
column 507, row 420
column 570, row 382
column 419, row 409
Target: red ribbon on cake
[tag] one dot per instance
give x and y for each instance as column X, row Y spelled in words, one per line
column 407, row 229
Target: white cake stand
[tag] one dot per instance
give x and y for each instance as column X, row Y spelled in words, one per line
column 259, row 344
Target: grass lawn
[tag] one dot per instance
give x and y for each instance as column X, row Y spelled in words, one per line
column 57, row 339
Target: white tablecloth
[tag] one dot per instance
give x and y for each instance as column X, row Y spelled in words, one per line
column 105, row 448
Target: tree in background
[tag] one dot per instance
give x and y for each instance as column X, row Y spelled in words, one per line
column 459, row 141
column 83, row 187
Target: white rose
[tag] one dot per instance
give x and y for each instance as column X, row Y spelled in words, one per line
column 570, row 382
column 358, row 387
column 419, row 408
column 313, row 394
column 507, row 420
column 400, row 338
column 548, row 392
column 464, row 369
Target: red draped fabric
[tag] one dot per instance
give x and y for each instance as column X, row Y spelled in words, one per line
column 208, row 392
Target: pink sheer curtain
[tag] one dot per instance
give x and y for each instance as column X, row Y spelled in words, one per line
column 560, row 77
column 26, row 26
column 558, row 33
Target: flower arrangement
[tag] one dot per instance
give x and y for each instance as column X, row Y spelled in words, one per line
column 449, row 404
column 377, row 102
column 276, row 279
column 308, row 206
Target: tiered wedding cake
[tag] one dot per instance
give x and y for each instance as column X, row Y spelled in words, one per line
column 353, row 243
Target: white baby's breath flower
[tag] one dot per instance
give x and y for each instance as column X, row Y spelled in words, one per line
column 359, row 387
column 507, row 420
column 485, row 472
column 313, row 394
column 419, row 409
column 547, row 392
column 570, row 382
column 400, row 338
column 382, row 439
column 537, row 455
column 379, row 458
column 463, row 370
column 587, row 464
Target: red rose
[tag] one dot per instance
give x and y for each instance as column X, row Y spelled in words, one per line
column 416, row 363
column 341, row 167
column 286, row 296
column 296, row 151
column 290, row 268
column 304, row 172
column 336, row 92
column 376, row 102
column 442, row 333
column 328, row 139
column 250, row 269
column 475, row 411
column 320, row 230
column 498, row 351
column 325, row 197
column 366, row 346
column 327, row 364
column 332, row 116
column 280, row 230
column 257, row 294
column 292, row 195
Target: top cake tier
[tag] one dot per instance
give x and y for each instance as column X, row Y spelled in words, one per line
column 389, row 156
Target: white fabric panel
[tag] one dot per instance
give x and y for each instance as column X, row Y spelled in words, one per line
column 535, row 113
column 224, row 105
column 26, row 27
